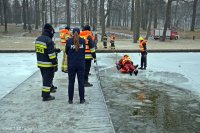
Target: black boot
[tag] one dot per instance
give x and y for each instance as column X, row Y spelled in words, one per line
column 130, row 73
column 136, row 72
column 53, row 89
column 87, row 84
column 48, row 98
column 70, row 101
column 82, row 101
column 140, row 68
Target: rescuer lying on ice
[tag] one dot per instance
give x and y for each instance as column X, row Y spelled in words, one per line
column 125, row 65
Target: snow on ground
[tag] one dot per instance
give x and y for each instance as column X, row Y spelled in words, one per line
column 177, row 69
column 14, row 69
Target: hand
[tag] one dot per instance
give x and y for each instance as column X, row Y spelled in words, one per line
column 95, row 60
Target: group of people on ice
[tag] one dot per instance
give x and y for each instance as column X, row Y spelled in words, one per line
column 126, row 65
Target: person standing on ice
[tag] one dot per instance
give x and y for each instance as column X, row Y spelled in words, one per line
column 143, row 51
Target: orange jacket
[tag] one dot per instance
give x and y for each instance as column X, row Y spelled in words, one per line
column 89, row 47
column 112, row 38
column 125, row 60
column 64, row 35
column 142, row 45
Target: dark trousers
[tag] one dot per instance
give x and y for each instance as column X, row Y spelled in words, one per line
column 47, row 80
column 144, row 60
column 87, row 69
column 112, row 45
column 72, row 71
column 105, row 44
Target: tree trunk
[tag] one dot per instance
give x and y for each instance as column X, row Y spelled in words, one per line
column 1, row 12
column 155, row 14
column 119, row 18
column 68, row 12
column 90, row 11
column 51, row 16
column 150, row 20
column 137, row 22
column 132, row 14
column 82, row 13
column 55, row 13
column 24, row 14
column 36, row 14
column 5, row 14
column 95, row 15
column 167, row 20
column 32, row 19
column 43, row 13
column 109, row 9
column 194, row 15
column 87, row 14
column 28, row 16
column 103, row 28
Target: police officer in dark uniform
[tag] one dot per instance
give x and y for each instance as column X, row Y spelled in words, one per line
column 75, row 49
column 46, row 60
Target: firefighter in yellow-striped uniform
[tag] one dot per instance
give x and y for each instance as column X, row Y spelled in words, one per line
column 64, row 36
column 90, row 53
column 112, row 41
column 46, row 60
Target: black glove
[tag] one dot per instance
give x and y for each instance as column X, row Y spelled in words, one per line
column 57, row 50
column 95, row 60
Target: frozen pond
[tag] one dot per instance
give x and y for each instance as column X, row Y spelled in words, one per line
column 164, row 98
column 181, row 69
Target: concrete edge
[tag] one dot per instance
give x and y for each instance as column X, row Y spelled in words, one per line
column 104, row 101
column 19, row 84
column 116, row 50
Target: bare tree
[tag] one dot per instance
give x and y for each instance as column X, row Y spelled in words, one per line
column 150, row 19
column 132, row 14
column 1, row 12
column 55, row 13
column 51, row 16
column 24, row 14
column 37, row 13
column 28, row 16
column 194, row 15
column 68, row 12
column 109, row 9
column 167, row 19
column 5, row 14
column 103, row 28
column 43, row 13
column 82, row 13
column 17, row 12
column 90, row 11
column 95, row 14
column 155, row 14
column 137, row 22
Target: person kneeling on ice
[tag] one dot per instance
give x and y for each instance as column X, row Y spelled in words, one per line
column 126, row 65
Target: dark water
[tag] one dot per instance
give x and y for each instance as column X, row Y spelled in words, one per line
column 145, row 106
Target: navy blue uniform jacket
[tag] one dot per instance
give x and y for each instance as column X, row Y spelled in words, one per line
column 75, row 58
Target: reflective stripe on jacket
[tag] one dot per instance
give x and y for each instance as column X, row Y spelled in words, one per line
column 141, row 45
column 89, row 43
column 64, row 35
column 46, row 56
